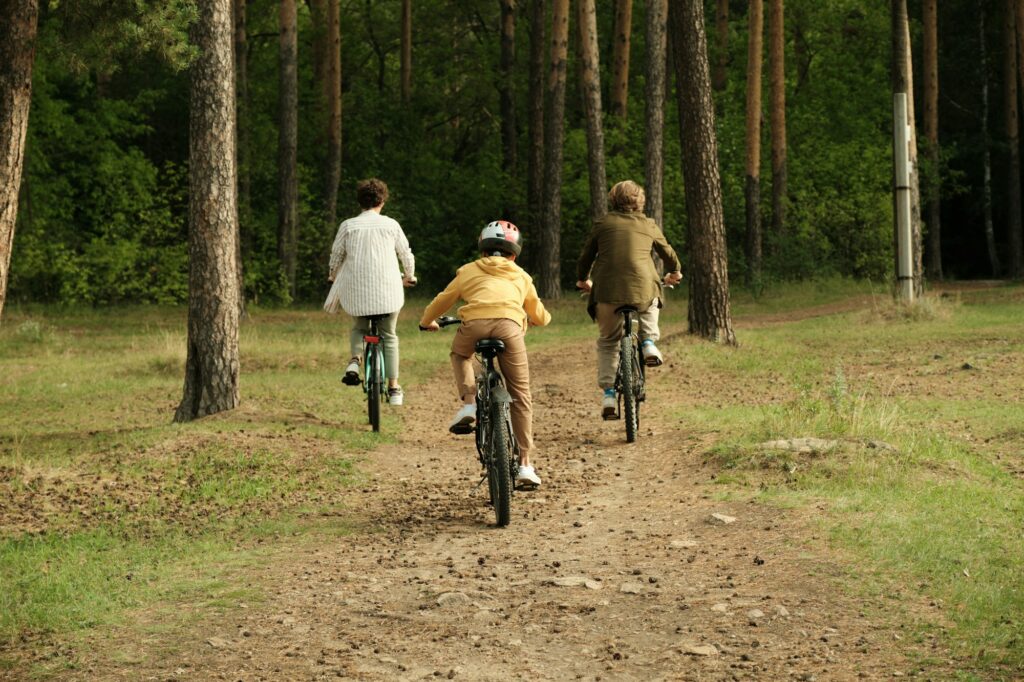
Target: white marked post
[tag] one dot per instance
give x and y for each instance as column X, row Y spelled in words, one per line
column 901, row 160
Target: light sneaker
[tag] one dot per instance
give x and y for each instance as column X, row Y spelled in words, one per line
column 395, row 395
column 609, row 405
column 351, row 377
column 526, row 477
column 464, row 420
column 652, row 356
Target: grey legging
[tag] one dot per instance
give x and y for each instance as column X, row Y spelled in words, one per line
column 388, row 337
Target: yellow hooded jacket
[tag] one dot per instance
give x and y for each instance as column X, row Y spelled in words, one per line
column 493, row 287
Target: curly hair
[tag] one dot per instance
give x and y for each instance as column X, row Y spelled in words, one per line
column 626, row 196
column 371, row 193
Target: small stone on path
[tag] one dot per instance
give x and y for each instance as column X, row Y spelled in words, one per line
column 699, row 649
column 453, row 600
column 631, row 588
column 682, row 544
column 575, row 581
column 720, row 608
column 718, row 519
column 218, row 642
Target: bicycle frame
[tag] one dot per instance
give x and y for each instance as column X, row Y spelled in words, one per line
column 490, row 389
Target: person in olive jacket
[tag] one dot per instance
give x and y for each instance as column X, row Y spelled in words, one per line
column 617, row 269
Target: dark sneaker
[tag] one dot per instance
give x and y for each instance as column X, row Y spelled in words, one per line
column 351, row 377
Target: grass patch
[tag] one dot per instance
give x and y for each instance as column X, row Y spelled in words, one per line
column 917, row 413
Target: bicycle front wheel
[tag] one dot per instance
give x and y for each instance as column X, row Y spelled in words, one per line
column 628, row 368
column 498, row 473
column 374, row 385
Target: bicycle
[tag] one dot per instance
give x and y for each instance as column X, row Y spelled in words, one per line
column 374, row 385
column 495, row 442
column 630, row 376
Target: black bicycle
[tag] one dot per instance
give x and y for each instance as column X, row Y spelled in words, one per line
column 495, row 442
column 374, row 385
column 630, row 377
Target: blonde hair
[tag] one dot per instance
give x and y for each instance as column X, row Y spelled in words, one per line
column 626, row 196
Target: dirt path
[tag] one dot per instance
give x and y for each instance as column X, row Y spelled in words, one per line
column 427, row 588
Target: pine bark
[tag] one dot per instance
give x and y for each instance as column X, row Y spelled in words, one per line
column 318, row 14
column 752, row 190
column 211, row 367
column 986, row 136
column 930, row 69
column 709, row 313
column 242, row 145
column 549, row 264
column 590, row 88
column 535, row 94
column 287, row 144
column 721, row 78
column 777, row 52
column 20, row 19
column 620, row 57
column 332, row 90
column 406, row 59
column 654, row 96
column 1011, row 114
column 506, row 67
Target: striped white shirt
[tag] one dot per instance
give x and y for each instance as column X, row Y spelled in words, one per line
column 364, row 266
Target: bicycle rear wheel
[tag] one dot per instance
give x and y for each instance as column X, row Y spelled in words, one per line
column 373, row 385
column 498, row 473
column 628, row 368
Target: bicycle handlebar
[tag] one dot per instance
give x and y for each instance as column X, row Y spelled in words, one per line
column 444, row 321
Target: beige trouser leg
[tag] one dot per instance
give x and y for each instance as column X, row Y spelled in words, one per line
column 514, row 367
column 609, row 330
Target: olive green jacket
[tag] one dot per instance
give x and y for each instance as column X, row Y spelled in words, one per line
column 617, row 257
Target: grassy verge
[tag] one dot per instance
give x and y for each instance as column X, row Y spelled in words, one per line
column 918, row 467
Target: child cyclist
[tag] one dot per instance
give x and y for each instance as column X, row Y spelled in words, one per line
column 500, row 300
column 364, row 269
column 617, row 269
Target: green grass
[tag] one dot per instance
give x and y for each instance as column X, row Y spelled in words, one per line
column 939, row 513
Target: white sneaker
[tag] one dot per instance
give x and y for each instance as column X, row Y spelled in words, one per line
column 608, row 405
column 652, row 356
column 395, row 395
column 351, row 377
column 526, row 477
column 464, row 420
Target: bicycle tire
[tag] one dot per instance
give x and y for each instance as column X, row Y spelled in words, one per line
column 500, row 479
column 373, row 385
column 630, row 405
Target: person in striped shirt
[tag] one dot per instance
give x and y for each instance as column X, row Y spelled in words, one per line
column 366, row 279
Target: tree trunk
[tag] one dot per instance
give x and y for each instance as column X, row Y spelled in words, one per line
column 549, row 264
column 722, row 40
column 930, row 70
column 242, row 144
column 332, row 175
column 654, row 96
column 287, row 144
column 17, row 52
column 1016, row 242
column 903, row 82
column 211, row 367
column 406, row 60
column 535, row 161
column 777, row 50
column 709, row 314
column 620, row 57
column 917, row 231
column 506, row 66
column 1012, row 135
column 752, row 192
column 590, row 86
column 986, row 196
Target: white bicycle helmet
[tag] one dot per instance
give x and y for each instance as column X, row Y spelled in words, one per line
column 501, row 235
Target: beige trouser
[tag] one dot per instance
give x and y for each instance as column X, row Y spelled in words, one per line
column 609, row 329
column 514, row 367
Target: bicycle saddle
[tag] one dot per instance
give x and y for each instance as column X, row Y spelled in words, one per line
column 496, row 345
column 376, row 318
column 630, row 308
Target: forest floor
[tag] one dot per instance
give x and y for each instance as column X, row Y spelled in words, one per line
column 616, row 567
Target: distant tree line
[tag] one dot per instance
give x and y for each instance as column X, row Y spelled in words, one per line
column 526, row 109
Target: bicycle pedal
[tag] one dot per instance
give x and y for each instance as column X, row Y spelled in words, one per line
column 462, row 429
column 610, row 417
